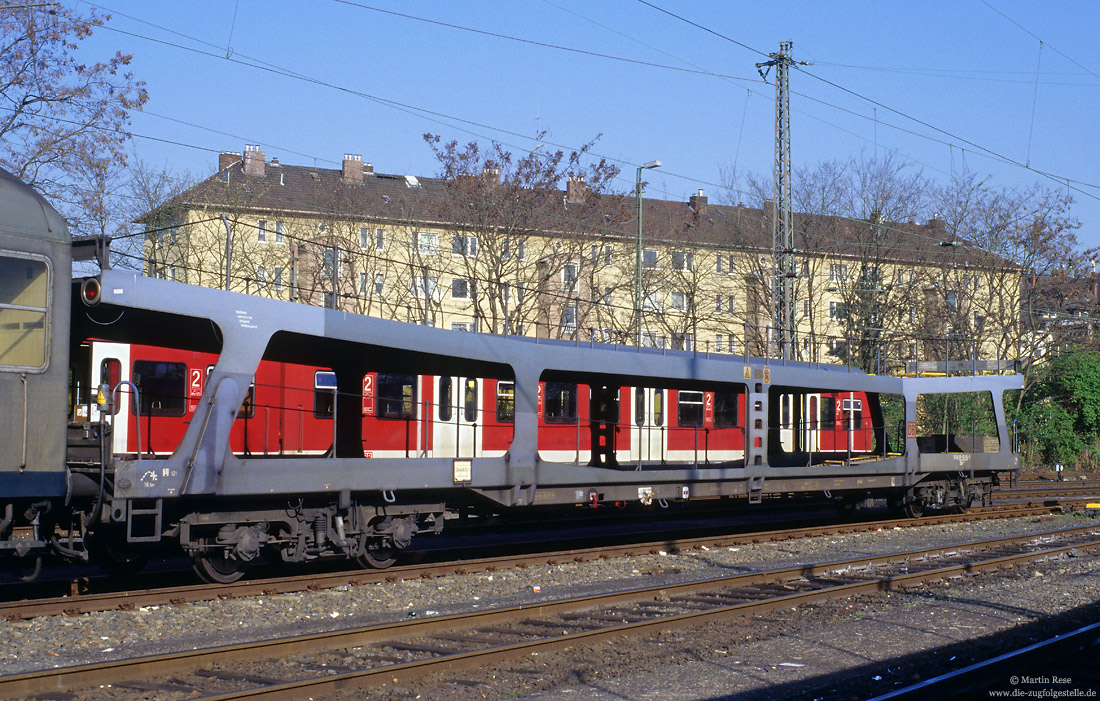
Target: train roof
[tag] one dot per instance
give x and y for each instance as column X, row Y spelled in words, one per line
column 24, row 212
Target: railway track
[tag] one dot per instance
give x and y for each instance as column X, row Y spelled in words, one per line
column 76, row 604
column 1069, row 657
column 319, row 664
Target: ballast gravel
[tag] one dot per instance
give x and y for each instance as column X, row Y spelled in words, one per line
column 782, row 652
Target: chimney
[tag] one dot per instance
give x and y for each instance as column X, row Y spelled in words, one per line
column 368, row 169
column 698, row 202
column 253, row 160
column 353, row 168
column 227, row 158
column 938, row 225
column 576, row 189
column 491, row 175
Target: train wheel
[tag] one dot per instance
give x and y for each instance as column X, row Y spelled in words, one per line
column 216, row 568
column 913, row 508
column 375, row 554
column 962, row 507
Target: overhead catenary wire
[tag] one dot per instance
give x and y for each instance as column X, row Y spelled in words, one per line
column 299, row 76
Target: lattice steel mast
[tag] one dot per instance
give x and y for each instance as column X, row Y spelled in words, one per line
column 782, row 218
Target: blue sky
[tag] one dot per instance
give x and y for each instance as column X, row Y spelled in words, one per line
column 373, row 82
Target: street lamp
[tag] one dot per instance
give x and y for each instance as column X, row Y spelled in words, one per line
column 638, row 254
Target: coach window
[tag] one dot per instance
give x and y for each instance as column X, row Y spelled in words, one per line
column 852, row 417
column 506, row 402
column 24, row 301
column 658, row 407
column 639, row 406
column 110, row 374
column 396, row 396
column 689, row 409
column 725, row 407
column 785, row 411
column 444, row 398
column 561, row 403
column 324, row 393
column 469, row 400
column 162, row 387
column 828, row 413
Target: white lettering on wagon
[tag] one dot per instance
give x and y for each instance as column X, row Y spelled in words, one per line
column 245, row 320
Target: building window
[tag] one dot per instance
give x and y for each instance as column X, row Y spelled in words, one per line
column 719, row 343
column 424, row 286
column 261, row 278
column 425, row 242
column 595, row 254
column 328, row 263
column 952, row 301
column 979, row 320
column 724, row 304
column 172, row 273
column 568, row 277
column 520, row 290
column 838, row 272
column 461, row 288
column 683, row 260
column 569, row 318
column 605, row 297
column 379, row 283
column 650, row 339
column 679, row 301
column 362, row 284
column 261, row 230
column 463, row 245
column 280, row 230
column 649, row 259
column 806, row 307
column 379, row 239
column 278, row 281
column 508, row 247
column 461, row 326
column 607, row 255
column 838, row 310
column 681, row 341
column 364, row 237
column 650, row 303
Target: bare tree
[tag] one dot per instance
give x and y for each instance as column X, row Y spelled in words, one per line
column 64, row 127
column 1014, row 257
column 519, row 243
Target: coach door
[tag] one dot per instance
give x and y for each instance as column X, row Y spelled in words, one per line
column 812, row 423
column 110, row 366
column 647, row 435
column 458, row 425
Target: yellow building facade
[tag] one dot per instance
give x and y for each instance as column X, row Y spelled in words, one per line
column 461, row 255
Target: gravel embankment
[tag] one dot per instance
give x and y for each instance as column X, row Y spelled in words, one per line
column 787, row 648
